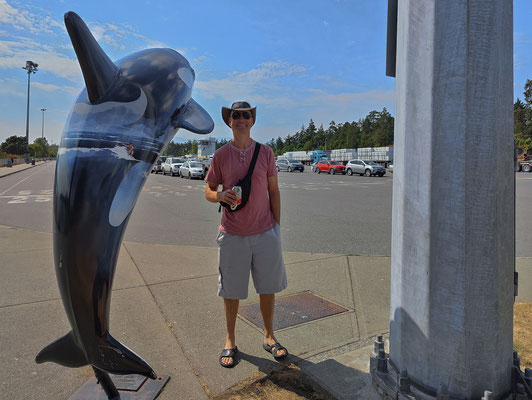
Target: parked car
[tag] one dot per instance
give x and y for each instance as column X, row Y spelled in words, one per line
column 390, row 167
column 206, row 163
column 332, row 167
column 158, row 166
column 191, row 169
column 289, row 165
column 171, row 166
column 364, row 167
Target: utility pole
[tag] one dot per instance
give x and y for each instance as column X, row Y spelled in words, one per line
column 42, row 132
column 30, row 68
column 452, row 255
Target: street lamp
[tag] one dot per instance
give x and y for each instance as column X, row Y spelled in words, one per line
column 30, row 67
column 42, row 133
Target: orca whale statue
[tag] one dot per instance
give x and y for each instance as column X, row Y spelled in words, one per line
column 118, row 126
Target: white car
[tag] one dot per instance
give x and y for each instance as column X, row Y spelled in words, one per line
column 191, row 169
column 171, row 166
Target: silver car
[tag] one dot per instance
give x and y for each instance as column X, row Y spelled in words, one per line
column 364, row 167
column 171, row 166
column 289, row 165
column 191, row 169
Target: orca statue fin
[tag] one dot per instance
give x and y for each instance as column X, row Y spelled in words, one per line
column 116, row 358
column 98, row 70
column 64, row 351
column 194, row 118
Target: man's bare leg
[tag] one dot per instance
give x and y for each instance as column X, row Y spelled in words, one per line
column 267, row 304
column 231, row 310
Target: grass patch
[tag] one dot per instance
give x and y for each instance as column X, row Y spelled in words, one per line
column 287, row 383
column 523, row 333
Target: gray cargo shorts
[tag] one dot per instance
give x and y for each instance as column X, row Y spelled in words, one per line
column 261, row 254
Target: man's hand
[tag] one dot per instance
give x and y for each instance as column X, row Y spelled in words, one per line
column 214, row 196
column 228, row 196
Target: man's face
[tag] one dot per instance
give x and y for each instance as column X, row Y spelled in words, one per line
column 239, row 122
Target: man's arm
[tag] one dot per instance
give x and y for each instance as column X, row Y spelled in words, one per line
column 275, row 198
column 214, row 196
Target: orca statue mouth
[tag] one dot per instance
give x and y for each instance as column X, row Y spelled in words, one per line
column 120, row 123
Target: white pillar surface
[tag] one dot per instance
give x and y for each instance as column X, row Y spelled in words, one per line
column 453, row 227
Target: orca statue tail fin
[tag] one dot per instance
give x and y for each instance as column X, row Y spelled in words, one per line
column 116, row 358
column 64, row 351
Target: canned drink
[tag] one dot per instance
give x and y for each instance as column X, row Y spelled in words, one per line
column 238, row 191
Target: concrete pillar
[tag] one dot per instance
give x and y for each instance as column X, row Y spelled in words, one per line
column 453, row 203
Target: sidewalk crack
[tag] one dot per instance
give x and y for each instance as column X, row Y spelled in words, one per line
column 355, row 287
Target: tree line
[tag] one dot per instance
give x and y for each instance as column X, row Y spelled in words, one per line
column 375, row 130
column 15, row 146
column 523, row 119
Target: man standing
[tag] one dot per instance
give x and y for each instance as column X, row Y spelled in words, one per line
column 248, row 238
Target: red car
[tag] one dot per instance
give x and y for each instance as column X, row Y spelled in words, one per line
column 332, row 167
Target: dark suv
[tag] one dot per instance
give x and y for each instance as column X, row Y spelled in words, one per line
column 158, row 167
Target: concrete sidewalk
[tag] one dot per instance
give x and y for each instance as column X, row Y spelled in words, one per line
column 5, row 171
column 165, row 308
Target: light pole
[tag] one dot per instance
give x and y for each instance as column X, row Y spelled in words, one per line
column 30, row 67
column 42, row 132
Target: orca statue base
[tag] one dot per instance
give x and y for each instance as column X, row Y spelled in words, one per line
column 104, row 386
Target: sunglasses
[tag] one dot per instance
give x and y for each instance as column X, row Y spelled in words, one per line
column 245, row 115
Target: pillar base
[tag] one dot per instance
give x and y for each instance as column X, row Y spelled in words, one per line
column 392, row 384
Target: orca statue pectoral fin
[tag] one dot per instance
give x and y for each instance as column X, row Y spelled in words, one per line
column 195, row 119
column 115, row 358
column 64, row 351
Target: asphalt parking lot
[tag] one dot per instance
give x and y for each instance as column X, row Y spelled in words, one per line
column 320, row 213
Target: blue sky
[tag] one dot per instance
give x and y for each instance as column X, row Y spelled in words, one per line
column 294, row 59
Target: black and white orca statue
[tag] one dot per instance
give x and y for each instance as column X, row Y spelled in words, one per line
column 120, row 123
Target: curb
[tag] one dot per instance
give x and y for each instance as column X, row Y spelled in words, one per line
column 19, row 170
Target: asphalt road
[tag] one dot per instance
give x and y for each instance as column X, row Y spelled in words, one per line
column 320, row 213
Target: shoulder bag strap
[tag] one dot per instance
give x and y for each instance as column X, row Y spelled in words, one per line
column 254, row 160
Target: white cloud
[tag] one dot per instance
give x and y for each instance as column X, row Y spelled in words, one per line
column 13, row 54
column 24, row 20
column 53, row 88
column 260, row 83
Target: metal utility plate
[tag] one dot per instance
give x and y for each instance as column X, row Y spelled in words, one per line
column 293, row 310
column 130, row 387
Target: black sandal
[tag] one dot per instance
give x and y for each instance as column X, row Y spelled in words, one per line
column 274, row 349
column 229, row 353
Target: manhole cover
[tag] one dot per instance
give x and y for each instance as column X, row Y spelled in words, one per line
column 293, row 310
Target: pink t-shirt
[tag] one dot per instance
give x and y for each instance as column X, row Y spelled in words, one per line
column 230, row 164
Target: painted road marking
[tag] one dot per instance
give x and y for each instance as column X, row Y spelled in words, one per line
column 24, row 199
column 23, row 196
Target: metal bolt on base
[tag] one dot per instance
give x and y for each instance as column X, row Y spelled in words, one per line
column 520, row 393
column 528, row 377
column 443, row 393
column 404, row 382
column 378, row 344
column 487, row 395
